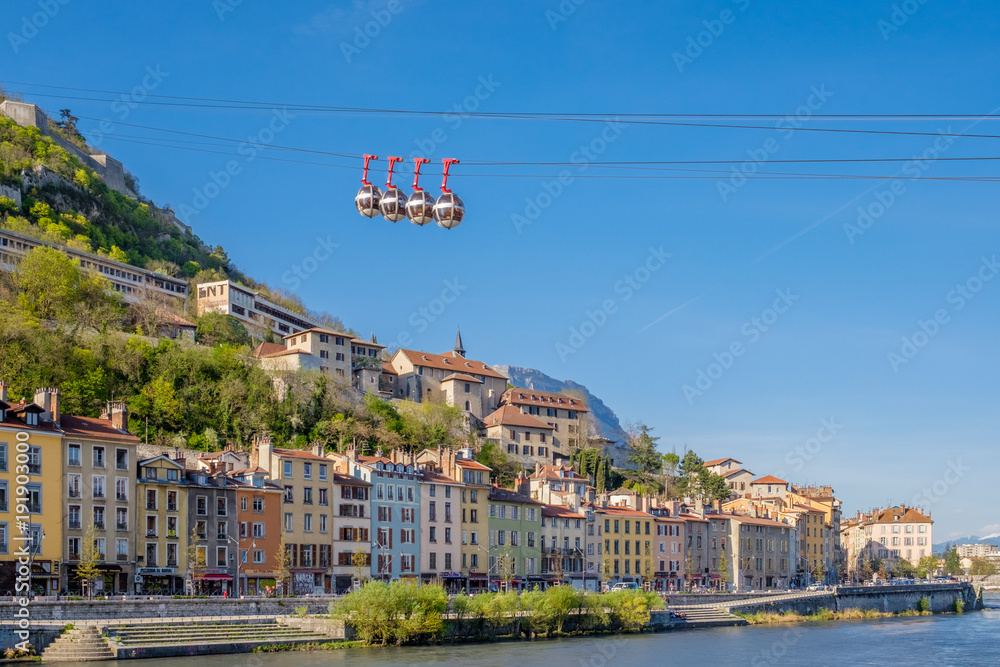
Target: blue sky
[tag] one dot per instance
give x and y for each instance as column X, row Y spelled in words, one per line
column 850, row 294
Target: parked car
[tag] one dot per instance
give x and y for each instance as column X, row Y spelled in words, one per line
column 815, row 587
column 625, row 586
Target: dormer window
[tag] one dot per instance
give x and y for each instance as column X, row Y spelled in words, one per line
column 31, row 418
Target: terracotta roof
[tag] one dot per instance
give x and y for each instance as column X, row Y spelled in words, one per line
column 97, row 428
column 622, row 511
column 715, row 462
column 509, row 415
column 737, row 472
column 265, row 349
column 437, row 478
column 759, row 521
column 249, row 471
column 551, row 471
column 769, row 479
column 387, row 368
column 561, row 512
column 349, row 480
column 471, row 465
column 450, row 362
column 367, row 342
column 374, row 459
column 510, row 496
column 286, row 352
column 174, row 319
column 318, row 330
column 522, row 396
column 692, row 517
column 899, row 515
column 462, row 377
column 299, row 454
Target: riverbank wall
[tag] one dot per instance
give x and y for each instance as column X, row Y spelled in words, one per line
column 887, row 599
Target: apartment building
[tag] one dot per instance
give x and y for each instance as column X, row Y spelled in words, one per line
column 696, row 550
column 888, row 535
column 212, row 513
column 161, row 526
column 559, row 485
column 668, row 549
column 251, row 308
column 764, row 558
column 524, row 438
column 352, row 523
column 100, row 473
column 366, row 365
column 564, row 413
column 132, row 282
column 515, row 544
column 563, row 545
column 627, row 553
column 31, row 450
column 258, row 517
column 440, row 530
column 307, row 513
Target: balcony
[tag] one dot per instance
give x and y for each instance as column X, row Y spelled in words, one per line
column 75, row 556
column 171, row 533
column 150, row 533
column 171, row 507
column 151, row 562
column 99, row 557
column 34, row 468
column 151, row 506
column 74, row 493
column 171, row 562
column 99, row 525
column 34, row 508
column 98, row 495
column 74, row 525
column 122, row 558
column 121, row 526
column 121, row 498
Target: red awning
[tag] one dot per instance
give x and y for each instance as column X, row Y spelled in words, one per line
column 215, row 577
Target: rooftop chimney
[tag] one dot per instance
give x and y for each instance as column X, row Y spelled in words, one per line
column 3, row 391
column 317, row 448
column 118, row 414
column 47, row 398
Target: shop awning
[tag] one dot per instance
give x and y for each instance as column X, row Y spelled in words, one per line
column 477, row 576
column 215, row 577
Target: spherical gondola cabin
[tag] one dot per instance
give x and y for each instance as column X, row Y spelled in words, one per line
column 393, row 205
column 420, row 208
column 449, row 210
column 367, row 200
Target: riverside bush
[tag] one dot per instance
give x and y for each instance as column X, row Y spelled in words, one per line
column 393, row 613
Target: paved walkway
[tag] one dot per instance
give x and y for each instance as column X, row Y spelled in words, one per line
column 145, row 621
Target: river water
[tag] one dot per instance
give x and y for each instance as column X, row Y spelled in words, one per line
column 968, row 639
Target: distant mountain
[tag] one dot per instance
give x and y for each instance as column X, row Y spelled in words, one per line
column 530, row 378
column 993, row 539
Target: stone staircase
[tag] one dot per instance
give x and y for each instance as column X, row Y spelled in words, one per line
column 78, row 645
column 206, row 634
column 705, row 616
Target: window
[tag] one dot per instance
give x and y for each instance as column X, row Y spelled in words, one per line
column 121, row 489
column 307, row 522
column 307, row 471
column 289, row 494
column 288, row 521
column 287, row 472
column 171, row 501
column 201, row 506
column 322, row 472
column 74, row 510
column 74, row 485
column 220, row 508
column 121, row 459
column 121, row 518
column 258, row 505
column 322, row 523
column 74, row 455
column 98, row 457
column 98, row 486
column 172, row 475
column 99, row 517
column 307, row 495
column 258, row 556
column 323, row 497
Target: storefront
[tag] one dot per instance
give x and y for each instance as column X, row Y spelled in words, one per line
column 309, row 581
column 478, row 583
column 453, row 582
column 258, row 582
column 213, row 582
column 158, row 581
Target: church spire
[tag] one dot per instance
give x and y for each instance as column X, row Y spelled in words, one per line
column 459, row 349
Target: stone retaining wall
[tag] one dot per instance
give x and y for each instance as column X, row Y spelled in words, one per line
column 68, row 611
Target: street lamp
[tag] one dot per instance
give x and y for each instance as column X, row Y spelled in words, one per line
column 35, row 548
column 240, row 559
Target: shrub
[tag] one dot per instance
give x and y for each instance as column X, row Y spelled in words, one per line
column 959, row 606
column 924, row 604
column 302, row 612
column 397, row 613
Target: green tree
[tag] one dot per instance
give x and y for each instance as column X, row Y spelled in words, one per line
column 284, row 563
column 87, row 570
column 952, row 561
column 118, row 254
column 217, row 329
column 601, row 481
column 642, row 450
column 725, row 574
column 982, row 567
column 688, row 474
column 47, row 281
column 195, row 559
column 504, row 469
